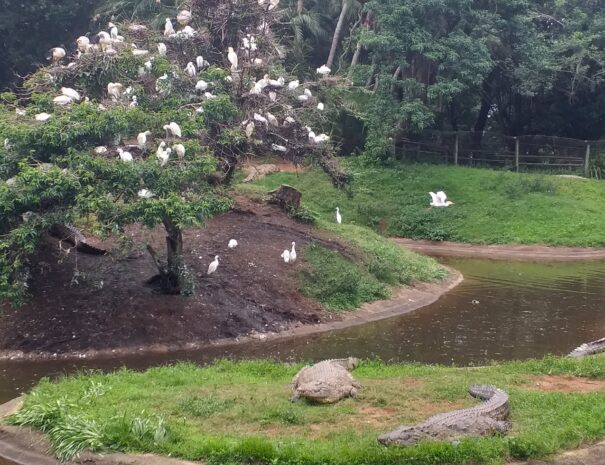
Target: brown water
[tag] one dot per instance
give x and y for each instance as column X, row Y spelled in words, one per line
column 502, row 311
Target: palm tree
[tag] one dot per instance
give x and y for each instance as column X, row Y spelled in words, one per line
column 348, row 10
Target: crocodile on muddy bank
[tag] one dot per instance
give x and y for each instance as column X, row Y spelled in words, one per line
column 589, row 348
column 486, row 419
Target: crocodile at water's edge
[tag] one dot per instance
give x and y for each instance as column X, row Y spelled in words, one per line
column 485, row 419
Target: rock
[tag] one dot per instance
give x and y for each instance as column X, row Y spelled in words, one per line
column 286, row 197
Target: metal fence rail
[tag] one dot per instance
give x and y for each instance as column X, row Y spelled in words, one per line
column 496, row 150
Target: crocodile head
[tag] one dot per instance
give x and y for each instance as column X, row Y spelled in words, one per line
column 404, row 436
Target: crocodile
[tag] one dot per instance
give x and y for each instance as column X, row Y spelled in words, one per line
column 487, row 418
column 326, row 382
column 74, row 236
column 589, row 348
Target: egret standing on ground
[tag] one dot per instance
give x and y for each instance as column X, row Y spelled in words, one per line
column 162, row 49
column 439, row 200
column 293, row 253
column 173, row 129
column 286, row 256
column 232, row 244
column 190, row 69
column 213, row 266
column 338, row 216
column 71, row 93
column 168, row 28
column 124, row 156
column 114, row 90
column 324, row 70
column 179, row 149
column 142, row 140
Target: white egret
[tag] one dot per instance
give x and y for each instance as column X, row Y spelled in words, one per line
column 279, row 148
column 191, row 70
column 272, row 96
column 187, row 32
column 114, row 90
column 145, row 194
column 321, row 139
column 439, row 200
column 168, row 28
column 173, row 129
column 201, row 85
column 289, row 121
column 184, row 17
column 232, row 57
column 308, row 93
column 209, row 96
column 293, row 253
column 137, row 28
column 7, row 144
column 321, row 106
column 62, row 100
column 42, row 117
column 20, row 112
column 100, row 150
column 232, row 244
column 338, row 216
column 179, row 149
column 213, row 265
column 124, row 156
column 104, row 40
column 286, row 256
column 324, row 70
column 134, row 103
column 303, row 98
column 273, row 4
column 200, row 62
column 272, row 120
column 113, row 31
column 162, row 49
column 249, row 129
column 83, row 43
column 257, row 61
column 261, row 119
column 56, row 54
column 138, row 52
column 277, row 82
column 293, row 85
column 142, row 140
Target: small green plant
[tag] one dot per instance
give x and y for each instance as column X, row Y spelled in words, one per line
column 596, row 167
column 202, row 407
column 303, row 215
column 418, row 222
column 287, row 415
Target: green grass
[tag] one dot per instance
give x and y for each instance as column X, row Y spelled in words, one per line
column 238, row 412
column 491, row 207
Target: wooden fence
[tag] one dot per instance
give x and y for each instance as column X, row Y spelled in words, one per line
column 496, row 150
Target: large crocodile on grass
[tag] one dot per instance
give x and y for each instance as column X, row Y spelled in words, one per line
column 485, row 419
column 326, row 382
column 589, row 348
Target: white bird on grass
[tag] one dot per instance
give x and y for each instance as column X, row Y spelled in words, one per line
column 272, row 119
column 232, row 57
column 113, row 31
column 338, row 216
column 71, row 93
column 173, row 129
column 293, row 85
column 42, row 117
column 272, row 96
column 142, row 139
column 125, row 156
column 293, row 253
column 213, row 265
column 279, row 82
column 324, row 70
column 100, row 150
column 321, row 139
column 145, row 194
column 232, row 244
column 134, row 103
column 286, row 256
column 303, row 98
column 168, row 28
column 163, row 155
column 249, row 129
column 162, row 49
column 321, row 106
column 114, row 90
column 139, row 52
column 308, row 93
column 289, row 121
column 190, row 69
column 62, row 100
column 439, row 200
column 180, row 151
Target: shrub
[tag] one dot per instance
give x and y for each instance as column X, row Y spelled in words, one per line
column 418, row 222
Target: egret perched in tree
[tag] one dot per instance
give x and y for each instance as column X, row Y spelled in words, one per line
column 83, row 43
column 200, row 62
column 190, row 69
column 162, row 49
column 163, row 155
column 56, row 54
column 321, row 106
column 142, row 140
column 324, row 70
column 105, row 40
column 261, row 119
column 308, row 93
column 286, row 256
column 134, row 103
column 213, row 265
column 272, row 96
column 138, row 52
column 273, row 4
column 272, row 120
column 168, row 28
column 201, row 85
column 279, row 82
column 321, row 139
column 184, row 17
column 293, row 85
column 124, row 156
column 303, row 98
column 42, row 117
column 100, row 150
column 338, row 216
column 257, row 61
column 289, row 121
column 173, row 129
column 179, row 149
column 293, row 253
column 232, row 244
column 113, row 31
column 114, row 90
column 145, row 194
column 187, row 32
column 279, row 148
column 439, row 200
column 232, row 57
column 249, row 129
column 71, row 93
column 62, row 100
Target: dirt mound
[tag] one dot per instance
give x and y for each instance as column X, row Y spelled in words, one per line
column 107, row 304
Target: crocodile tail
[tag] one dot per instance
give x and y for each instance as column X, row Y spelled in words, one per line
column 482, row 391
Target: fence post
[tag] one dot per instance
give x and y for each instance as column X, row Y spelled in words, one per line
column 517, row 154
column 456, row 146
column 587, row 159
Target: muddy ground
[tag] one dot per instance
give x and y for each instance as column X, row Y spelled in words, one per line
column 111, row 306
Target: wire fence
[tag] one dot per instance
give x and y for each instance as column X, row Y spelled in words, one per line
column 499, row 151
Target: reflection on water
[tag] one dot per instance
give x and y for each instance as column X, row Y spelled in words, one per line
column 502, row 311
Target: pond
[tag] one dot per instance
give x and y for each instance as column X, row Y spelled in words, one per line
column 502, row 311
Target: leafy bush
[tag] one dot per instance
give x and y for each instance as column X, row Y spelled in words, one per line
column 418, row 222
column 202, row 406
column 513, row 186
column 303, row 215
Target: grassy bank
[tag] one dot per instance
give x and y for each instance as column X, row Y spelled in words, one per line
column 238, row 412
column 491, row 207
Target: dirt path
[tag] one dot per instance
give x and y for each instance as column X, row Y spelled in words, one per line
column 502, row 252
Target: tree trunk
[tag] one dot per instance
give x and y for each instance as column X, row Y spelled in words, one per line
column 486, row 103
column 300, row 5
column 338, row 32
